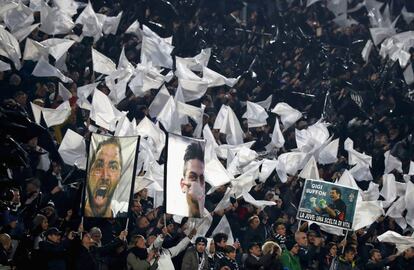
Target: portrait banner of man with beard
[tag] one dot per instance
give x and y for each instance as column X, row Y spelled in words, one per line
column 184, row 178
column 110, row 176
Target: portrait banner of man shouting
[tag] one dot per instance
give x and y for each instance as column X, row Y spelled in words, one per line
column 184, row 181
column 110, row 176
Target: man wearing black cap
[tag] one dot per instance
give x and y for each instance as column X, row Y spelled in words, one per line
column 196, row 256
column 53, row 251
column 254, row 260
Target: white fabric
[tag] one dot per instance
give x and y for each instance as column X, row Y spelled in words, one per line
column 9, row 47
column 4, row 66
column 409, row 75
column 402, row 242
column 215, row 173
column 146, row 77
column 91, row 25
column 44, row 69
column 311, row 2
column 366, row 213
column 101, row 63
column 408, row 16
column 69, row 7
column 367, row 50
column 354, row 156
column 409, row 203
column 391, row 163
column 312, row 138
column 256, row 115
column 146, row 128
column 158, row 103
column 215, row 79
column 197, row 62
column 54, row 117
column 288, row 115
column 169, row 117
column 64, row 93
column 268, row 166
column 37, row 112
column 361, row 172
column 155, row 49
column 396, row 210
column 110, row 24
column 19, row 17
column 389, row 187
column 73, row 149
column 34, row 50
column 83, row 93
column 54, row 21
column 57, row 47
column 372, row 193
column 266, row 103
column 258, row 203
column 328, row 154
column 103, row 111
column 224, row 227
column 277, row 139
column 230, row 126
column 245, row 182
column 125, row 127
column 23, row 33
column 292, row 161
column 310, row 171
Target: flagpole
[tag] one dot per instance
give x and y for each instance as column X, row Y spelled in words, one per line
column 346, row 236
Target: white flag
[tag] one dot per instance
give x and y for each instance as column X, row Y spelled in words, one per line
column 53, row 21
column 215, row 79
column 57, row 47
column 402, row 242
column 155, row 49
column 4, row 66
column 92, row 27
column 101, row 63
column 44, row 69
column 292, row 161
column 34, row 50
column 391, row 163
column 9, row 47
column 409, row 203
column 310, row 171
column 103, row 112
column 288, row 115
column 19, row 17
column 277, row 137
column 224, row 227
column 256, row 115
column 73, row 149
column 54, row 117
column 64, row 93
column 110, row 25
column 329, row 153
column 37, row 112
column 22, row 33
column 389, row 188
column 366, row 213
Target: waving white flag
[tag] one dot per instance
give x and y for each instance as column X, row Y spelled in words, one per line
column 288, row 115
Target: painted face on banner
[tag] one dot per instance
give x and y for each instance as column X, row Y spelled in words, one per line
column 193, row 185
column 103, row 179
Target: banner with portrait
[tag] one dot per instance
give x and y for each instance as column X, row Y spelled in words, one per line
column 328, row 204
column 184, row 192
column 110, row 175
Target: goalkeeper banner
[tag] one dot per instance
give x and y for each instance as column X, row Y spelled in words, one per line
column 328, row 204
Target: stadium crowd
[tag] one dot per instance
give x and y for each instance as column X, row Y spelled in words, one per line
column 283, row 48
